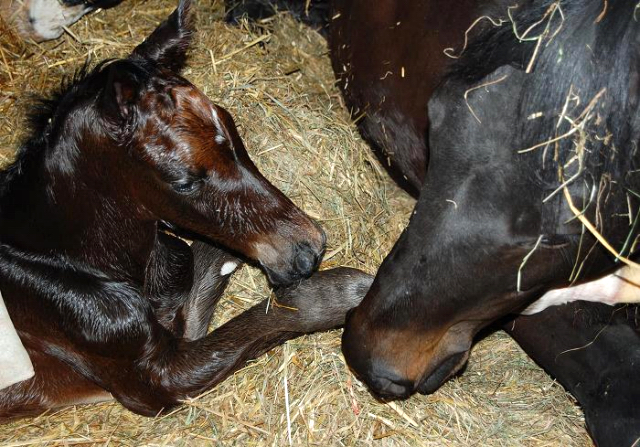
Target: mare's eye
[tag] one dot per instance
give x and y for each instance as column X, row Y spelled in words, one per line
column 186, row 186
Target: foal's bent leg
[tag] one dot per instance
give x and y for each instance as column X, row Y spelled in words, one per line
column 594, row 352
column 212, row 268
column 187, row 368
column 184, row 283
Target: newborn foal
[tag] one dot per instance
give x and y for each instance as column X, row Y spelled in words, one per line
column 105, row 301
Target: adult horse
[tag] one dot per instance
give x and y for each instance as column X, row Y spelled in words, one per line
column 525, row 129
column 105, row 301
column 528, row 115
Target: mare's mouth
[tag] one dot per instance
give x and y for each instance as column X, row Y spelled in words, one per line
column 448, row 368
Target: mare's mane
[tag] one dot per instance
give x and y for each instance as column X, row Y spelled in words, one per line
column 595, row 55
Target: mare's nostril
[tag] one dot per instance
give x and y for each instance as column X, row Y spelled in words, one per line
column 390, row 389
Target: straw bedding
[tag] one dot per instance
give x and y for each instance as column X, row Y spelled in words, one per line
column 277, row 82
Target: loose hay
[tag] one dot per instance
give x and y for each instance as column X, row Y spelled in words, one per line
column 278, row 84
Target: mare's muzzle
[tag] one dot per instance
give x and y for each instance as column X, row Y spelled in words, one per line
column 383, row 381
column 394, row 366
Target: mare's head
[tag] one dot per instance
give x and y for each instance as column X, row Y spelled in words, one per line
column 492, row 229
column 153, row 149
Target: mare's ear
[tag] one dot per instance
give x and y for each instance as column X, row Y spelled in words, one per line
column 120, row 94
column 167, row 46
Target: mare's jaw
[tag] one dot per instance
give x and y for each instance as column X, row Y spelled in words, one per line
column 443, row 372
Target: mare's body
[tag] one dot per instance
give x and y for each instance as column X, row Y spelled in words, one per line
column 485, row 204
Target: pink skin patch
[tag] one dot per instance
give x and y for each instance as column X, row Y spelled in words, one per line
column 623, row 286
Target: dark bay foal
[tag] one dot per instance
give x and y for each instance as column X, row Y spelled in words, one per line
column 106, row 302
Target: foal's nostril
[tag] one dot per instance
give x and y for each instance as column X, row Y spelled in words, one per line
column 306, row 260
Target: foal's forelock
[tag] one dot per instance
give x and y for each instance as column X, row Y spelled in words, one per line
column 188, row 122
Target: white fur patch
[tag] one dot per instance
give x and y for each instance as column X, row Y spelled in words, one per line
column 49, row 16
column 228, row 268
column 623, row 286
column 221, row 137
column 15, row 365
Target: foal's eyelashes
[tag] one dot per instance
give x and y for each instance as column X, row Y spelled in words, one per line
column 186, row 187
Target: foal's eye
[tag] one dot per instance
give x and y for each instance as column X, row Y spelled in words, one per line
column 186, row 186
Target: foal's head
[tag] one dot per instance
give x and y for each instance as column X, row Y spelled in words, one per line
column 175, row 157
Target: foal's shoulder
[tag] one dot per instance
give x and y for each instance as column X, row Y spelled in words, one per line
column 75, row 294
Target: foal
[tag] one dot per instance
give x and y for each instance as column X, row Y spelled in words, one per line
column 105, row 301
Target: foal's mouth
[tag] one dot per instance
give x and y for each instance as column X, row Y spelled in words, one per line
column 303, row 262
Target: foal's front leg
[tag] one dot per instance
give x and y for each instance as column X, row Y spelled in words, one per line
column 212, row 269
column 184, row 283
column 176, row 369
column 315, row 304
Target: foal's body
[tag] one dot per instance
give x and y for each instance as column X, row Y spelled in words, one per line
column 106, row 302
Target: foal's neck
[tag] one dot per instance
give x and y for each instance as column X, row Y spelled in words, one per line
column 48, row 214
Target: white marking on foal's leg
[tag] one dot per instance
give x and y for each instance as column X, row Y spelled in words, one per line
column 228, row 268
column 623, row 286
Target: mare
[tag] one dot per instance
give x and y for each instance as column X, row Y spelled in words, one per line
column 40, row 20
column 107, row 299
column 516, row 127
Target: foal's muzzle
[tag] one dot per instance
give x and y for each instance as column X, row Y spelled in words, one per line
column 305, row 260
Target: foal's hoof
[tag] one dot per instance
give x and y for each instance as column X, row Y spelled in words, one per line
column 321, row 302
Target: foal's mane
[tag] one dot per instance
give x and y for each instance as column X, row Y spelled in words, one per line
column 43, row 114
column 46, row 114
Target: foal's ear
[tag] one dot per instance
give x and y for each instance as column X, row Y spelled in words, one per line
column 167, row 46
column 120, row 94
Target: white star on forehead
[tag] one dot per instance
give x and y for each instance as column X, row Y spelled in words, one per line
column 221, row 135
